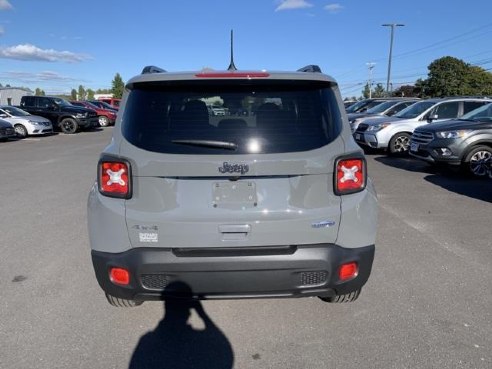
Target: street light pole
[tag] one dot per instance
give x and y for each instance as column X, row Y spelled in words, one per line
column 392, row 25
column 370, row 66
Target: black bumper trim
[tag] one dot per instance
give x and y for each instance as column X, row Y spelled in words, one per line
column 241, row 275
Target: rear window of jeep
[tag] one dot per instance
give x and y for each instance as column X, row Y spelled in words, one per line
column 279, row 116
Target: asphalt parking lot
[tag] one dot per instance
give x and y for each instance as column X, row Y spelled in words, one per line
column 427, row 303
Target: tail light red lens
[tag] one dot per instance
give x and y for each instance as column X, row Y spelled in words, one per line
column 350, row 175
column 348, row 271
column 119, row 276
column 114, row 179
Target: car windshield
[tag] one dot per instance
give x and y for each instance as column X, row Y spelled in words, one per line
column 16, row 112
column 260, row 117
column 380, row 108
column 354, row 107
column 415, row 110
column 483, row 113
column 61, row 102
column 106, row 105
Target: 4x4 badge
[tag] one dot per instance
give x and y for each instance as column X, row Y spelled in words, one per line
column 234, row 168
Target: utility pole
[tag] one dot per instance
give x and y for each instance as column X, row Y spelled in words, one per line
column 392, row 25
column 370, row 66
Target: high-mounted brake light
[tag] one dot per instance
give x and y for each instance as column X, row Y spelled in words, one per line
column 350, row 175
column 348, row 271
column 119, row 276
column 114, row 179
column 232, row 74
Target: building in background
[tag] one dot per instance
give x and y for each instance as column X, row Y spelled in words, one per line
column 12, row 95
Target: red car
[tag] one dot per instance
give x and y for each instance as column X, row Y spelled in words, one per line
column 114, row 103
column 106, row 117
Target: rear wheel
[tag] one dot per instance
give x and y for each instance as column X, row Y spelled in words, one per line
column 399, row 144
column 478, row 162
column 115, row 301
column 69, row 126
column 103, row 121
column 21, row 131
column 348, row 297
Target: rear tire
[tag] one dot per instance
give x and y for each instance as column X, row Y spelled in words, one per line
column 21, row 131
column 399, row 144
column 69, row 126
column 348, row 297
column 477, row 162
column 115, row 301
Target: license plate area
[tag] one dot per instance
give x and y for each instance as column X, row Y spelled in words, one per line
column 358, row 136
column 234, row 195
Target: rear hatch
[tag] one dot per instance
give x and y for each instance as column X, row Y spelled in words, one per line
column 261, row 175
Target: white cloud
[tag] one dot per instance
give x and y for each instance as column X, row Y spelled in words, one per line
column 293, row 4
column 333, row 8
column 33, row 53
column 28, row 77
column 5, row 5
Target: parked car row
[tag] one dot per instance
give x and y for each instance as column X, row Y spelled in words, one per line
column 40, row 115
column 454, row 131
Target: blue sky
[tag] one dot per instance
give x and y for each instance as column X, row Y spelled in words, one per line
column 58, row 45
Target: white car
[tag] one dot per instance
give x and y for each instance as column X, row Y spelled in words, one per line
column 24, row 123
column 394, row 133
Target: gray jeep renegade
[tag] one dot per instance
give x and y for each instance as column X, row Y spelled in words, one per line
column 271, row 199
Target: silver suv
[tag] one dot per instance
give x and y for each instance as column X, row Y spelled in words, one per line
column 394, row 133
column 272, row 200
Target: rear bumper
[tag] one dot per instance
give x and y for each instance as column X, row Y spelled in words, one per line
column 254, row 272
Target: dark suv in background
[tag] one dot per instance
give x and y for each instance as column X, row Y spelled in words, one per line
column 466, row 142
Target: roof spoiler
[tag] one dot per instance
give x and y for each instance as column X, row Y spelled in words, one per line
column 152, row 69
column 310, row 69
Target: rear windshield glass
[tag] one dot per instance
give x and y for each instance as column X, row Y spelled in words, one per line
column 231, row 117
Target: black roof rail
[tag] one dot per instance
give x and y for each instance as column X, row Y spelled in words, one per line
column 152, row 69
column 310, row 69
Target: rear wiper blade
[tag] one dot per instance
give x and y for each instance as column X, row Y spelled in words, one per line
column 208, row 143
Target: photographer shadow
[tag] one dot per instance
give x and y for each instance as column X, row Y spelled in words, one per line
column 175, row 344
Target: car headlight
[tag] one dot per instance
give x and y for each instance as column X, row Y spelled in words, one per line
column 81, row 115
column 34, row 122
column 453, row 134
column 377, row 127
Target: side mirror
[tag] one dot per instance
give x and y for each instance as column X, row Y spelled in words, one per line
column 3, row 115
column 432, row 117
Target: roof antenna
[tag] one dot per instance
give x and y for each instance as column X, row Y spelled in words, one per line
column 232, row 67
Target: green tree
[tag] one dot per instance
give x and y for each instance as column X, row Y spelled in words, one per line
column 379, row 91
column 366, row 91
column 118, row 86
column 406, row 91
column 447, row 76
column 38, row 92
column 450, row 76
column 73, row 94
column 90, row 94
column 82, row 93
